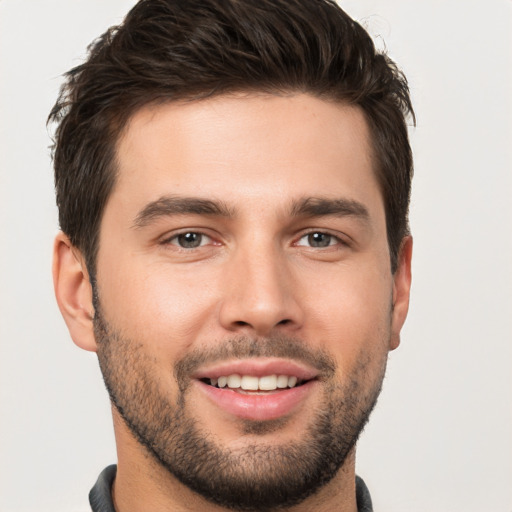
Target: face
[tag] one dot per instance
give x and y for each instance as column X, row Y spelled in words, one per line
column 245, row 304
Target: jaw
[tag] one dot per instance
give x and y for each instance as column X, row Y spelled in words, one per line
column 188, row 442
column 141, row 479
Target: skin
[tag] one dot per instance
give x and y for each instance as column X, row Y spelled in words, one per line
column 255, row 273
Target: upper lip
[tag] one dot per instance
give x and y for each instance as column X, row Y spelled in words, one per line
column 258, row 367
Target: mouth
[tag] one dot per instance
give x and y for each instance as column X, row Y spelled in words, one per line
column 257, row 390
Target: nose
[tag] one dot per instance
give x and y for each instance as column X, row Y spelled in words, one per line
column 261, row 295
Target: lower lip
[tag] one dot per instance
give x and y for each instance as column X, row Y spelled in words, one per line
column 255, row 407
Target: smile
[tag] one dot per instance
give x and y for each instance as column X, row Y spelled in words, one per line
column 255, row 383
column 258, row 390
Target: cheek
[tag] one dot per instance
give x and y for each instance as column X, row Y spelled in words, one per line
column 352, row 314
column 156, row 303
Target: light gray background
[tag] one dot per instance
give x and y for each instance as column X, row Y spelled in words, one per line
column 440, row 439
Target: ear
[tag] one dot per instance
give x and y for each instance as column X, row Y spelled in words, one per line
column 73, row 291
column 401, row 291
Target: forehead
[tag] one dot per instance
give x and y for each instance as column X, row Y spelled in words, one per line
column 245, row 148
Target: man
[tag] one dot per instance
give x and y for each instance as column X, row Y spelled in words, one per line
column 233, row 180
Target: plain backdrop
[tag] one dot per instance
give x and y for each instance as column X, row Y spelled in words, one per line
column 440, row 439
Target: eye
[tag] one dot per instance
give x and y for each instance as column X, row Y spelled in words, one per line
column 318, row 239
column 189, row 240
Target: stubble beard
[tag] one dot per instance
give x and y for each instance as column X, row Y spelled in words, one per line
column 260, row 476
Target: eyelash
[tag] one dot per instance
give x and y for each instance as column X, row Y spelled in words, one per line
column 337, row 239
column 331, row 237
column 171, row 239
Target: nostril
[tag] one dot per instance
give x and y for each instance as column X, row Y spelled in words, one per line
column 241, row 323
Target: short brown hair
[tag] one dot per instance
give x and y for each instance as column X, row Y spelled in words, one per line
column 168, row 50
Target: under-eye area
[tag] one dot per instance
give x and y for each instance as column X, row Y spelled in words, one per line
column 252, row 383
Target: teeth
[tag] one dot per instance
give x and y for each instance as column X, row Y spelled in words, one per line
column 268, row 383
column 253, row 383
column 249, row 383
column 234, row 381
column 282, row 381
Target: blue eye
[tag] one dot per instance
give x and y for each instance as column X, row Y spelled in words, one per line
column 318, row 239
column 190, row 240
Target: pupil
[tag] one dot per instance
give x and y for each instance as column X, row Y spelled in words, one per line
column 189, row 240
column 319, row 240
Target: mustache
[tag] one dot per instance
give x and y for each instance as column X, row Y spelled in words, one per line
column 243, row 347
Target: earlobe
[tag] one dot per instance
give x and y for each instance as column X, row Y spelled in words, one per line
column 401, row 291
column 73, row 292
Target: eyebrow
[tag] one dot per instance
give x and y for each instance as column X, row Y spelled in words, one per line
column 307, row 207
column 320, row 207
column 174, row 205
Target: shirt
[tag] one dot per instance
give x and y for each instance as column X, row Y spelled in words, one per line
column 100, row 496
